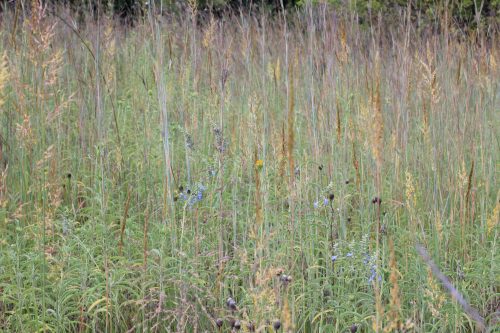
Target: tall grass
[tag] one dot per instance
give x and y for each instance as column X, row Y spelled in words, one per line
column 289, row 163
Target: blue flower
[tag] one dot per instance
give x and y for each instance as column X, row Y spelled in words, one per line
column 373, row 275
column 366, row 260
column 334, row 258
column 316, row 204
column 349, row 255
column 325, row 201
column 199, row 196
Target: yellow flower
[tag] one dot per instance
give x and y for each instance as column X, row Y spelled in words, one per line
column 259, row 164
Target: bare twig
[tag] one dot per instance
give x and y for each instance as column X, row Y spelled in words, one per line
column 472, row 312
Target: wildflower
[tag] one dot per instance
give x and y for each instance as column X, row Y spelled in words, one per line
column 354, row 328
column 219, row 322
column 334, row 258
column 373, row 275
column 316, row 204
column 199, row 196
column 259, row 164
column 349, row 255
column 237, row 325
column 277, row 324
column 366, row 260
column 325, row 201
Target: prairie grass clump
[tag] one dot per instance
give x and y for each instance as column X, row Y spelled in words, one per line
column 251, row 171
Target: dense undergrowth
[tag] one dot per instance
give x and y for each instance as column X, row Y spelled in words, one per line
column 178, row 176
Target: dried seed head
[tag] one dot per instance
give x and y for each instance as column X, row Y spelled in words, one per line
column 251, row 327
column 277, row 324
column 331, row 196
column 231, row 303
column 237, row 325
column 354, row 328
column 219, row 322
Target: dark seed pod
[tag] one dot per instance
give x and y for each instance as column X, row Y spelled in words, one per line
column 354, row 328
column 237, row 325
column 347, row 181
column 348, row 219
column 320, row 167
column 219, row 322
column 251, row 327
column 181, row 188
column 68, row 175
column 277, row 325
column 331, row 196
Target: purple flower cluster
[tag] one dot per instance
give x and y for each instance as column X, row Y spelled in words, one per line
column 193, row 197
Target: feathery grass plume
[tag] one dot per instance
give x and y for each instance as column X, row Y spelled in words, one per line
column 258, row 200
column 394, row 324
column 411, row 199
column 430, row 90
column 342, row 54
column 109, row 40
column 288, row 326
column 492, row 221
column 3, row 188
column 355, row 161
column 435, row 298
column 4, row 77
column 277, row 71
column 439, row 227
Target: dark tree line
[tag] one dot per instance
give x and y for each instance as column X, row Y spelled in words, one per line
column 463, row 12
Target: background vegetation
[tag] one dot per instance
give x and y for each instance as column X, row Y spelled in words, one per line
column 273, row 171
